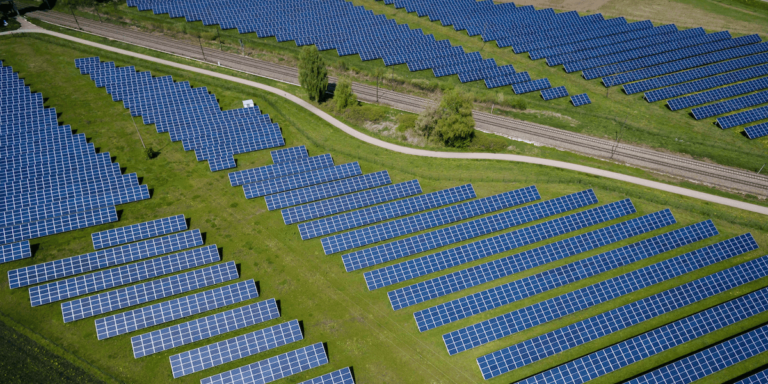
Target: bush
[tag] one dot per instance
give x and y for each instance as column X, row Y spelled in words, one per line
column 451, row 121
column 343, row 95
column 518, row 103
column 424, row 85
column 313, row 76
column 406, row 121
column 365, row 113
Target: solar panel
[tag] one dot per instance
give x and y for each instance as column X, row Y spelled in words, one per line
column 623, row 317
column 324, row 191
column 760, row 377
column 473, row 251
column 710, row 360
column 350, row 202
column 300, row 180
column 650, row 343
column 289, row 154
column 70, row 266
column 235, row 348
column 59, row 224
column 493, row 270
column 152, row 290
column 531, row 86
column 203, row 328
column 140, row 231
column 454, row 234
column 427, row 220
column 387, row 211
column 554, row 93
column 15, row 251
column 266, row 172
column 220, row 163
column 342, row 376
column 741, row 118
column 703, row 84
column 175, row 309
column 580, row 99
column 126, row 274
column 274, row 368
column 730, row 105
column 756, row 131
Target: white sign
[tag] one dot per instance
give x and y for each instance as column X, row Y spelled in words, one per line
column 247, row 103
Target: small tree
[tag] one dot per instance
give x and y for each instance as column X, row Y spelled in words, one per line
column 343, row 95
column 313, row 76
column 451, row 121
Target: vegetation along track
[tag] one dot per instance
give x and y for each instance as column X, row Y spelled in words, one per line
column 726, row 178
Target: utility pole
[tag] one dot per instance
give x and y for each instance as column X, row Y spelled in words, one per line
column 242, row 47
column 761, row 168
column 73, row 15
column 97, row 13
column 201, row 48
column 618, row 137
column 218, row 36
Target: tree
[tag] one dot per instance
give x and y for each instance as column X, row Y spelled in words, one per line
column 343, row 95
column 313, row 76
column 450, row 121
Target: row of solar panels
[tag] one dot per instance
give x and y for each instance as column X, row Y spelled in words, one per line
column 191, row 115
column 350, row 30
column 637, row 55
column 51, row 180
column 160, row 237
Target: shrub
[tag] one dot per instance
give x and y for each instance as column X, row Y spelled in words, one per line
column 365, row 113
column 518, row 103
column 451, row 121
column 313, row 76
column 406, row 121
column 424, row 85
column 343, row 95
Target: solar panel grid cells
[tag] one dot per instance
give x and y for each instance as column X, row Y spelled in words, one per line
column 628, row 315
column 287, row 183
column 756, row 131
column 580, row 99
column 741, row 118
column 708, row 83
column 98, row 281
column 554, row 93
column 221, row 163
column 15, row 251
column 383, row 212
column 255, row 175
column 342, row 376
column 39, row 273
column 443, row 285
column 760, row 377
column 57, row 225
column 140, row 231
column 424, row 265
column 167, row 311
column 710, row 360
column 531, row 86
column 730, row 105
column 235, row 348
column 326, row 190
column 274, row 368
column 152, row 290
column 350, row 202
column 650, row 343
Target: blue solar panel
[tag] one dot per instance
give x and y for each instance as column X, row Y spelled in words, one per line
column 300, row 180
column 175, row 309
column 324, row 191
column 383, row 212
column 203, row 328
column 554, row 93
column 703, row 84
column 15, row 251
column 580, row 99
column 473, row 251
column 650, row 343
column 630, row 314
column 450, row 235
column 289, row 154
column 152, row 290
column 493, row 270
column 274, row 368
column 57, row 225
column 342, row 376
column 266, row 172
column 427, row 220
column 760, row 377
column 756, row 131
column 710, row 360
column 350, row 202
column 730, row 105
column 718, row 94
column 570, row 52
column 235, row 348
column 221, row 163
column 140, row 231
column 741, row 118
column 531, row 86
column 70, row 266
column 127, row 274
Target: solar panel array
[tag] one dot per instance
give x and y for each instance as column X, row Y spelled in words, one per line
column 274, row 368
column 554, row 93
column 52, row 180
column 175, row 309
column 580, row 99
column 342, row 376
column 701, row 85
column 584, row 331
column 730, row 105
column 235, row 348
column 191, row 115
column 140, row 231
column 289, row 154
column 756, row 131
column 15, row 251
column 326, row 190
column 710, row 360
column 742, row 118
column 427, row 220
column 760, row 377
column 203, row 328
column 424, row 265
column 286, row 168
column 300, row 180
column 650, row 343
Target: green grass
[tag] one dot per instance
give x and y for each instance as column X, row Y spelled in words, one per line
column 359, row 326
column 645, row 124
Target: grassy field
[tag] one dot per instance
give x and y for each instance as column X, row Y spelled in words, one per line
column 359, row 326
column 651, row 125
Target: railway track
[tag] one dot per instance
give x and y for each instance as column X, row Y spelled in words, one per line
column 722, row 177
